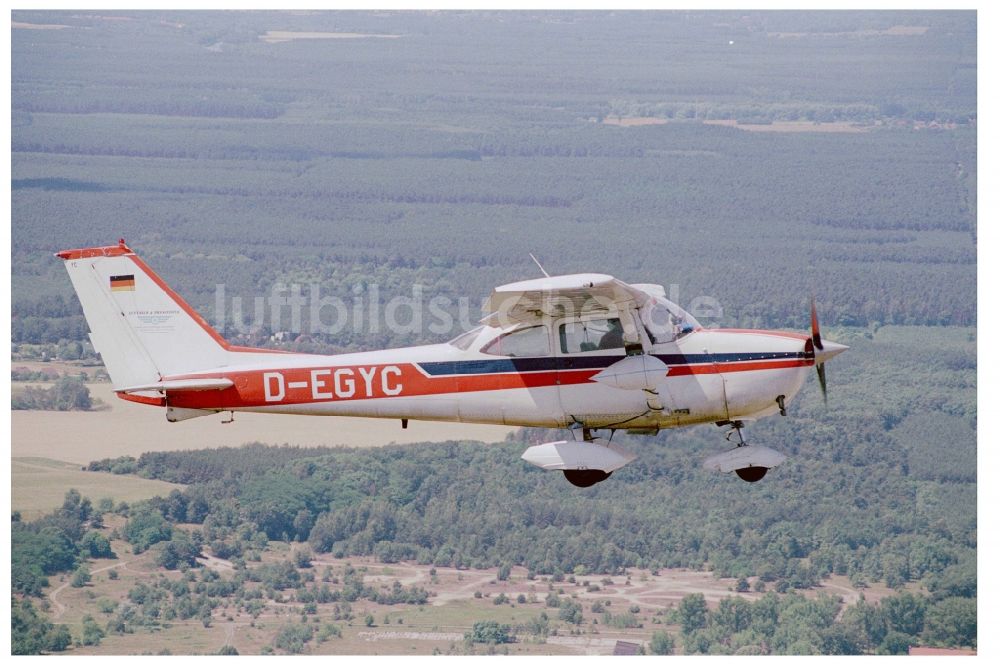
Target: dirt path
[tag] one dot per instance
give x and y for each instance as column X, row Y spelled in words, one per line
column 414, row 574
column 60, row 608
column 465, row 591
column 216, row 563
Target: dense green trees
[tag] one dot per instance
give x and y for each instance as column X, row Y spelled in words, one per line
column 91, row 633
column 951, row 622
column 661, row 643
column 794, row 624
column 292, row 638
column 55, row 543
column 490, row 632
column 146, row 526
column 30, row 633
column 772, row 624
column 68, row 393
column 179, row 551
column 533, row 521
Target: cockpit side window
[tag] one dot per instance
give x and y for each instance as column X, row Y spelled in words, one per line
column 530, row 341
column 591, row 335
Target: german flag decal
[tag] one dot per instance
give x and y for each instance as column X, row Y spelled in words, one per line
column 123, row 283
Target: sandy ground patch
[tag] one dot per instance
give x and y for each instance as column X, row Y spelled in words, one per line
column 131, row 429
column 794, row 126
column 20, row 25
column 625, row 121
column 277, row 36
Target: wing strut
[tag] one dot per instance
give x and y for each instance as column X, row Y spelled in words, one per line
column 539, row 264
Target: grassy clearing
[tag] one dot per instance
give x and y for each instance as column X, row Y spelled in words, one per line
column 38, row 485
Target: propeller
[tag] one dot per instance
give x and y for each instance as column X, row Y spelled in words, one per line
column 817, row 341
column 824, row 350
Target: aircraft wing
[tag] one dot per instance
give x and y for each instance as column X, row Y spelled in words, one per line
column 559, row 296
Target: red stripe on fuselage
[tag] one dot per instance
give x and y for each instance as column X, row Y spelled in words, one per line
column 332, row 384
column 755, row 331
column 736, row 366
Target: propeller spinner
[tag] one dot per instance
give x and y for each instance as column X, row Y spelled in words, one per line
column 824, row 349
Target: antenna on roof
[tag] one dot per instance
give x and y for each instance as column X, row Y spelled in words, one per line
column 544, row 272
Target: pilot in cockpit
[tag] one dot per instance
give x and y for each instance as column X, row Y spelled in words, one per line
column 614, row 338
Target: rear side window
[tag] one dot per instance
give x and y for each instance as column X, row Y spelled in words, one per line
column 531, row 341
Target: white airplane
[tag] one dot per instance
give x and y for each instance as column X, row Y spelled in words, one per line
column 585, row 352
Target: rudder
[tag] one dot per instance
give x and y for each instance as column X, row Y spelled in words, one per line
column 143, row 330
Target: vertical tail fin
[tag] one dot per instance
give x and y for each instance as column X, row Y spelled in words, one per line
column 142, row 329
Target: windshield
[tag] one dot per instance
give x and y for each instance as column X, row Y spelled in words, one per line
column 666, row 321
column 465, row 340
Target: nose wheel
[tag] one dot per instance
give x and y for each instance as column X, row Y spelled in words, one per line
column 585, row 478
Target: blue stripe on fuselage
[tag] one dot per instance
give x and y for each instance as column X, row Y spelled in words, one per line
column 550, row 363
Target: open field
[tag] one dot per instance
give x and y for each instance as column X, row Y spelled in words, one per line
column 132, row 429
column 48, row 447
column 892, row 31
column 53, row 368
column 38, row 485
column 776, row 126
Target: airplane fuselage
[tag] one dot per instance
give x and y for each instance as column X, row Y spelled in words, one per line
column 713, row 375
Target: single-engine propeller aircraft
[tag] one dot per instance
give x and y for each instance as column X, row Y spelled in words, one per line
column 584, row 352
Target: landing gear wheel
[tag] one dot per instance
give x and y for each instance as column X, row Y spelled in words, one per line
column 585, row 478
column 752, row 474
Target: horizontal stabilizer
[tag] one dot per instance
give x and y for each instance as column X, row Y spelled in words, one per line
column 200, row 384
